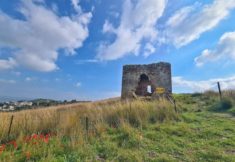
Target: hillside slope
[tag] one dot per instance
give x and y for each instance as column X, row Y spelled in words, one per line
column 124, row 131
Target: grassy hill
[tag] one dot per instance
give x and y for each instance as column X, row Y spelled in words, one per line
column 202, row 129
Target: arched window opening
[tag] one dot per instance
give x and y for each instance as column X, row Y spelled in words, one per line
column 144, row 87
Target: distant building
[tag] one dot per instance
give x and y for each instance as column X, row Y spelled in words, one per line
column 11, row 108
column 25, row 103
column 143, row 80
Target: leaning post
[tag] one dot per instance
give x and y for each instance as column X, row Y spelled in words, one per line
column 219, row 88
column 175, row 105
column 87, row 126
column 9, row 130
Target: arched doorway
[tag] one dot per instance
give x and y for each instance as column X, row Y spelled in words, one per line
column 144, row 87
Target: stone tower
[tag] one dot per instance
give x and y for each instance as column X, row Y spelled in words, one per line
column 144, row 79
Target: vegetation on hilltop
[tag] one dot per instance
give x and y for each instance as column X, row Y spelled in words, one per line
column 126, row 131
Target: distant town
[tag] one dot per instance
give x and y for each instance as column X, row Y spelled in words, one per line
column 33, row 104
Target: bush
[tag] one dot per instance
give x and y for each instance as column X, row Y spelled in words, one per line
column 221, row 106
column 232, row 111
column 196, row 95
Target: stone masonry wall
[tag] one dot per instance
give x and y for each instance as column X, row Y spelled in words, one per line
column 159, row 74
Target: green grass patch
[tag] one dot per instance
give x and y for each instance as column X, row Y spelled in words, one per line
column 145, row 132
column 232, row 111
column 221, row 106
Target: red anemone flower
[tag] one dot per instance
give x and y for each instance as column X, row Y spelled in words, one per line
column 2, row 148
column 13, row 143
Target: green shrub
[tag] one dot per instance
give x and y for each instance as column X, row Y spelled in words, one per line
column 196, row 95
column 221, row 106
column 232, row 111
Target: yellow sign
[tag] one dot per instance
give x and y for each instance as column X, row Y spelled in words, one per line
column 160, row 90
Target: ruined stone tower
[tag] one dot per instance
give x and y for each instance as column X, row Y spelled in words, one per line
column 143, row 80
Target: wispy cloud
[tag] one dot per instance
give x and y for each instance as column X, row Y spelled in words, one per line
column 138, row 22
column 29, row 79
column 7, row 81
column 80, row 62
column 40, row 35
column 76, row 5
column 224, row 50
column 7, row 64
column 203, row 85
column 78, row 84
column 188, row 23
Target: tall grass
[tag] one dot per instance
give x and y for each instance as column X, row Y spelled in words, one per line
column 121, row 131
column 225, row 93
column 230, row 94
column 70, row 120
column 227, row 104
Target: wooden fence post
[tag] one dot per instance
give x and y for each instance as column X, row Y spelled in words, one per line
column 87, row 125
column 172, row 100
column 220, row 93
column 130, row 105
column 9, row 130
column 175, row 105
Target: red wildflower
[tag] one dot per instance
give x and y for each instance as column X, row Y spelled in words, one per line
column 2, row 148
column 35, row 143
column 13, row 143
column 35, row 136
column 46, row 139
column 41, row 136
column 28, row 138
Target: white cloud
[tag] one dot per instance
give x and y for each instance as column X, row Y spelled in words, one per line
column 76, row 5
column 114, row 14
column 39, row 37
column 80, row 62
column 137, row 24
column 10, row 63
column 190, row 22
column 4, row 81
column 78, row 84
column 57, row 79
column 149, row 49
column 29, row 79
column 200, row 86
column 108, row 27
column 55, row 7
column 224, row 50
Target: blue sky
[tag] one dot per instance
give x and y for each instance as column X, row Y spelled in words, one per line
column 66, row 49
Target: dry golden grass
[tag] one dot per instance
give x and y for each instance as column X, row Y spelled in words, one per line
column 229, row 93
column 70, row 119
column 225, row 93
